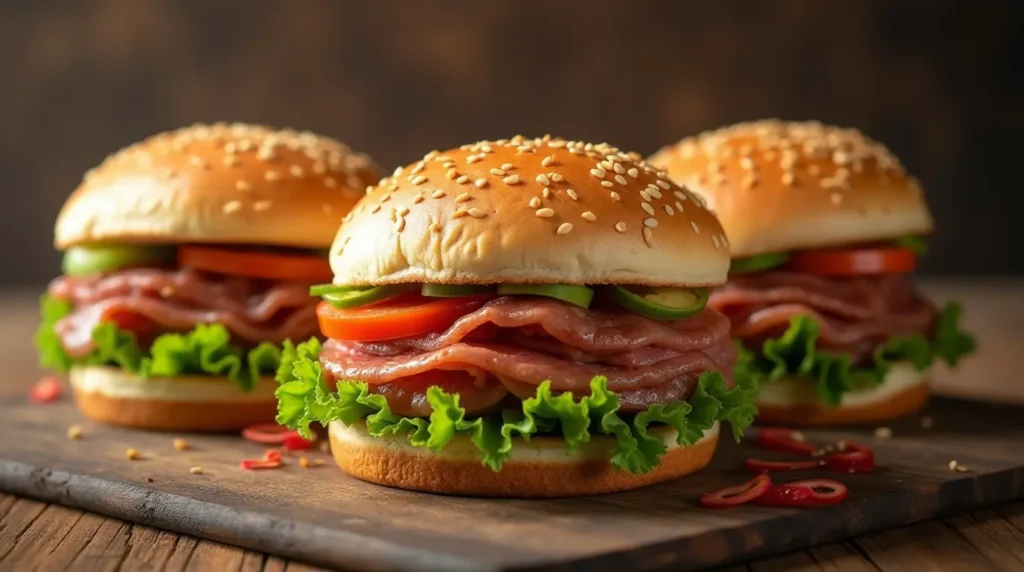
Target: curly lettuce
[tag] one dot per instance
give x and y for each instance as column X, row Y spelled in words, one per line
column 795, row 354
column 206, row 350
column 304, row 397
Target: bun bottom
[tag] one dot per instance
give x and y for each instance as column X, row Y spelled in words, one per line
column 190, row 403
column 794, row 401
column 538, row 469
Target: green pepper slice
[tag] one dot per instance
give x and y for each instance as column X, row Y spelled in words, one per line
column 321, row 289
column 758, row 263
column 576, row 295
column 661, row 303
column 916, row 244
column 453, row 290
column 95, row 258
column 355, row 297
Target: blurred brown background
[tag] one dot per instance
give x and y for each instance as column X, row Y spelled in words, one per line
column 937, row 81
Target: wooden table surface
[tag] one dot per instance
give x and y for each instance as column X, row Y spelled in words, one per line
column 38, row 536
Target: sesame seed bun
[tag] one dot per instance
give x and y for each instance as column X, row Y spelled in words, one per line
column 229, row 184
column 538, row 469
column 779, row 186
column 530, row 211
column 795, row 401
column 188, row 403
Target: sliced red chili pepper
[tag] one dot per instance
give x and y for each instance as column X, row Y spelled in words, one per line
column 737, row 494
column 268, row 433
column 855, row 458
column 759, row 466
column 271, row 455
column 788, row 440
column 253, row 465
column 46, row 390
column 296, row 443
column 810, row 492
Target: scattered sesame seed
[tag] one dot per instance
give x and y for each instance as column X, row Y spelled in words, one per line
column 476, row 213
column 694, row 226
column 645, row 195
column 546, row 193
column 620, row 226
column 181, row 444
column 572, row 194
column 473, row 159
column 396, row 172
column 243, row 185
column 498, row 172
column 607, row 184
column 883, row 432
column 296, row 171
column 131, row 454
column 669, row 210
column 614, row 195
column 272, row 175
column 545, row 212
column 663, row 184
column 650, row 222
column 232, row 207
column 197, row 161
column 654, row 192
column 535, row 203
column 462, row 180
column 620, row 179
column 957, row 467
column 452, row 174
column 230, row 160
column 647, row 208
column 437, row 194
column 543, row 179
column 599, row 173
column 547, row 161
column 507, row 167
column 788, row 178
column 75, row 432
column 565, row 228
column 679, row 206
column 618, row 168
column 196, row 470
column 589, row 216
column 460, row 212
column 375, row 209
column 556, row 177
column 511, row 180
column 418, row 180
column 748, row 164
column 648, row 235
column 633, row 172
column 463, row 198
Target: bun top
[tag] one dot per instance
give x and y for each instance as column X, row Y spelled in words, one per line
column 530, row 211
column 779, row 186
column 230, row 184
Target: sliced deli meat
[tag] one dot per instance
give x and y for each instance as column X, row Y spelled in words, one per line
column 162, row 301
column 854, row 315
column 512, row 345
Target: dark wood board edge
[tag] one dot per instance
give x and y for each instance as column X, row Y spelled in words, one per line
column 799, row 530
column 319, row 546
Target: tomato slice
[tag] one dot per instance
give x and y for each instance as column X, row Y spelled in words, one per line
column 853, row 262
column 252, row 264
column 399, row 317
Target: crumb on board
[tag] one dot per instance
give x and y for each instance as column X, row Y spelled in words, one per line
column 883, row 432
column 957, row 467
column 149, row 479
column 196, row 470
column 131, row 454
column 304, row 462
column 75, row 432
column 181, row 444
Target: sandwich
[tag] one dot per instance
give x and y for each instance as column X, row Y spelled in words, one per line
column 187, row 260
column 521, row 318
column 826, row 227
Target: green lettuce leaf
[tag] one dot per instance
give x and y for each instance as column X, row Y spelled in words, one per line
column 206, row 350
column 304, row 398
column 795, row 354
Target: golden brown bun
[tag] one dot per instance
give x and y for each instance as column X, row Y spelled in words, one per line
column 530, row 211
column 905, row 391
column 536, row 469
column 780, row 186
column 220, row 183
column 194, row 404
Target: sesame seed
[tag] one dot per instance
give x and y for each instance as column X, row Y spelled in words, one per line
column 883, row 432
column 650, row 222
column 272, row 175
column 748, row 164
column 572, row 194
column 462, row 180
column 511, row 180
column 417, row 200
column 507, row 167
column 260, row 206
column 402, row 211
column 645, row 195
column 196, row 470
column 452, row 174
column 607, row 184
column 498, row 172
column 296, row 171
column 545, row 213
column 663, row 184
column 448, row 164
column 230, row 160
column 614, row 195
column 679, row 206
column 232, row 207
column 375, row 209
column 564, row 228
column 243, row 185
column 547, row 161
column 418, row 180
column 463, row 198
column 546, row 193
column 480, row 183
column 647, row 208
column 75, row 432
column 633, row 172
column 556, row 177
column 473, row 159
column 668, row 209
column 620, row 179
column 396, row 172
column 694, row 226
column 460, row 212
column 535, row 202
column 788, row 178
column 654, row 192
column 679, row 195
column 476, row 213
column 606, row 165
column 543, row 179
column 437, row 194
column 648, row 235
column 589, row 216
column 599, row 173
column 619, row 169
column 400, row 224
column 197, row 161
column 620, row 226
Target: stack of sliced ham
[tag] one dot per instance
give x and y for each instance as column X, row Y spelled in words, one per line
column 511, row 345
column 165, row 301
column 854, row 315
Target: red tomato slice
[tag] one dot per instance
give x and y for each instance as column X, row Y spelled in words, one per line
column 853, row 262
column 249, row 264
column 268, row 433
column 396, row 318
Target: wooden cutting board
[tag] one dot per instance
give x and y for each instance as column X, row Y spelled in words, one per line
column 324, row 517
